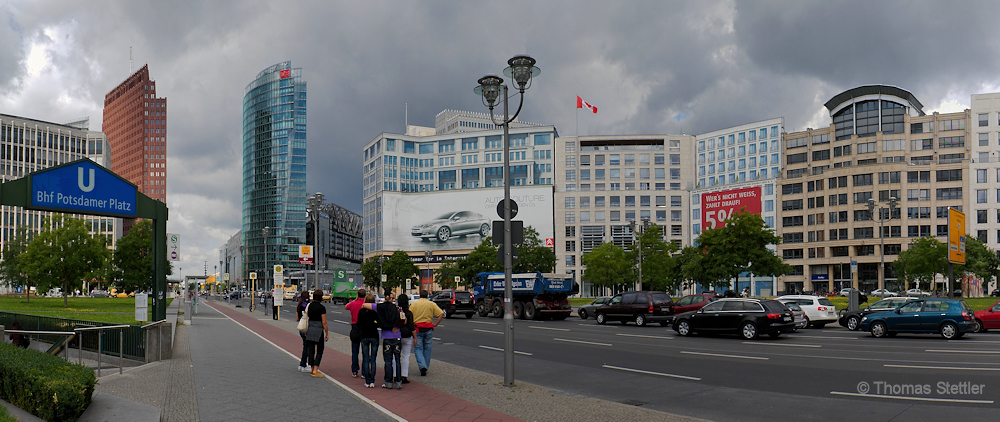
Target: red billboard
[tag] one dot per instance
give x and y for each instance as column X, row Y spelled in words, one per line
column 717, row 207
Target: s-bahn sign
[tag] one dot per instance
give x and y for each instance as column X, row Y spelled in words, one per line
column 83, row 187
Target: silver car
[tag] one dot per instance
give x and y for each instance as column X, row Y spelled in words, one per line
column 455, row 223
column 800, row 315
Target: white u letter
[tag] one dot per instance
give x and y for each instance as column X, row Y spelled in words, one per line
column 79, row 180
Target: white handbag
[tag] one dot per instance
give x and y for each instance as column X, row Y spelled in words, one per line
column 304, row 321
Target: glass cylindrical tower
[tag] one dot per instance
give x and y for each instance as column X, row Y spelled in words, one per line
column 274, row 167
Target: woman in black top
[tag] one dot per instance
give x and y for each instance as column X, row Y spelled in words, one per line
column 299, row 310
column 318, row 332
column 368, row 324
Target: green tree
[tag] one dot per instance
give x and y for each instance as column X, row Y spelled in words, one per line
column 740, row 246
column 481, row 259
column 922, row 261
column 371, row 271
column 692, row 266
column 133, row 258
column 533, row 255
column 659, row 270
column 609, row 266
column 63, row 254
column 445, row 275
column 980, row 260
column 11, row 265
column 397, row 269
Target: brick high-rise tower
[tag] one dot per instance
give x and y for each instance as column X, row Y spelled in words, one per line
column 135, row 122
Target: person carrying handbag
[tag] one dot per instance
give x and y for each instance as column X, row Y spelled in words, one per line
column 318, row 332
column 300, row 313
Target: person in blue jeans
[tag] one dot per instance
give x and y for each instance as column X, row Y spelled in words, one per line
column 424, row 314
column 354, row 307
column 390, row 320
column 368, row 325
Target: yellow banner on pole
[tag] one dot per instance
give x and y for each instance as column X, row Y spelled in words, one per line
column 956, row 236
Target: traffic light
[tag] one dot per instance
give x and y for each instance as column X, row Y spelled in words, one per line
column 310, row 233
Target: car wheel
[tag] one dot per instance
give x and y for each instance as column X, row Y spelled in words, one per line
column 749, row 331
column 601, row 319
column 529, row 311
column 808, row 323
column 949, row 331
column 497, row 309
column 624, row 322
column 444, row 233
column 640, row 320
column 518, row 310
column 482, row 309
column 775, row 334
column 484, row 230
column 852, row 323
column 977, row 326
column 879, row 329
column 447, row 314
column 664, row 324
column 683, row 328
column 583, row 314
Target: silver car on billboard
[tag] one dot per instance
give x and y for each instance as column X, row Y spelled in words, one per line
column 454, row 223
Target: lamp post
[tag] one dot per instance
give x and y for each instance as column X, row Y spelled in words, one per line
column 315, row 201
column 893, row 204
column 638, row 235
column 491, row 87
column 266, row 231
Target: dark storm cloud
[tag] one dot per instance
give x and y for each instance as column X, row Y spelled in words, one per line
column 650, row 66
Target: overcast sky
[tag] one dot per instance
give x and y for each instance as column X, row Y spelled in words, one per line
column 651, row 67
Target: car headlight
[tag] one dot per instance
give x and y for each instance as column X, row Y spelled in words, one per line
column 864, row 318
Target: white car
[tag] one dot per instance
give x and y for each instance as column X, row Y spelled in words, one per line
column 917, row 293
column 882, row 293
column 819, row 310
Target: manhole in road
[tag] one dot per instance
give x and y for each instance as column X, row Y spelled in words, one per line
column 631, row 402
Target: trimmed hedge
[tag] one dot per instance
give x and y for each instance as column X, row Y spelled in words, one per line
column 44, row 385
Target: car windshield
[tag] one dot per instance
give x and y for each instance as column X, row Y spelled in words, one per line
column 661, row 298
column 793, row 306
column 463, row 295
column 445, row 216
column 773, row 306
column 825, row 301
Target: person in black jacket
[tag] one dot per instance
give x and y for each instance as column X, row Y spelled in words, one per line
column 407, row 337
column 299, row 310
column 368, row 325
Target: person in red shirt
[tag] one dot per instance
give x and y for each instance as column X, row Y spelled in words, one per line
column 355, row 307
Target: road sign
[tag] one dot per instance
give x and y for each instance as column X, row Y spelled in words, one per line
column 141, row 304
column 549, row 242
column 516, row 232
column 956, row 236
column 173, row 246
column 513, row 207
column 253, row 276
column 305, row 254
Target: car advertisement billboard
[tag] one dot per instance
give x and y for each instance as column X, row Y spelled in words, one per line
column 458, row 219
column 717, row 207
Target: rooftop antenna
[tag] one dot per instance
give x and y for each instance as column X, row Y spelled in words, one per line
column 130, row 60
column 406, row 117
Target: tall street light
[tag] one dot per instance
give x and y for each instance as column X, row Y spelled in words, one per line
column 638, row 235
column 315, row 202
column 265, row 231
column 491, row 88
column 893, row 204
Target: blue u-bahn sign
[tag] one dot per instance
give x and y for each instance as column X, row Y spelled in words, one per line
column 83, row 187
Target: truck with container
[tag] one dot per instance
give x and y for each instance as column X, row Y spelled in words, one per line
column 535, row 295
column 343, row 292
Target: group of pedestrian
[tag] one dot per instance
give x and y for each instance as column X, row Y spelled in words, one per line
column 403, row 329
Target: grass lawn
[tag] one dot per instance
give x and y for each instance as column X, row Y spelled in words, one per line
column 977, row 303
column 103, row 309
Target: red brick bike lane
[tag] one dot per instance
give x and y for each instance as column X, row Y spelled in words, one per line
column 415, row 402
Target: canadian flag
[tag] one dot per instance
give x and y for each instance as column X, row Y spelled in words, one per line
column 580, row 103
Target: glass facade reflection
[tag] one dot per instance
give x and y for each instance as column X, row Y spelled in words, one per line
column 274, row 167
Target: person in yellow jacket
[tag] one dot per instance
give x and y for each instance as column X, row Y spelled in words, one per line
column 424, row 314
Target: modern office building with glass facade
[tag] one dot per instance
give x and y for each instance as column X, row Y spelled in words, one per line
column 274, row 168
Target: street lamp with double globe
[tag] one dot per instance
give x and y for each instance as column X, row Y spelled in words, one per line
column 492, row 90
column 893, row 204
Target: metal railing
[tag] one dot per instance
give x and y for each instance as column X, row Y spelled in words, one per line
column 159, row 338
column 100, row 338
column 53, row 333
column 134, row 345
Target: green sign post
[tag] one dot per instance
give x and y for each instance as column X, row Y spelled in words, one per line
column 84, row 187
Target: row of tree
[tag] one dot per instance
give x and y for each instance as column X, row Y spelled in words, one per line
column 63, row 253
column 532, row 256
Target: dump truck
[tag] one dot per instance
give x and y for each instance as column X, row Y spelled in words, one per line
column 536, row 295
column 343, row 292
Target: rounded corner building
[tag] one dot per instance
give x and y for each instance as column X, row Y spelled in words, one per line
column 274, row 168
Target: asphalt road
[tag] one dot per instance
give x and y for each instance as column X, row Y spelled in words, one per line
column 814, row 374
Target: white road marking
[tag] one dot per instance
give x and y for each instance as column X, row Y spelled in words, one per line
column 482, row 322
column 652, row 373
column 781, row 344
column 822, row 337
column 582, row 342
column 342, row 322
column 974, row 341
column 645, row 336
column 933, row 399
column 594, row 325
column 946, row 368
column 725, row 356
column 487, row 331
column 985, row 352
column 548, row 328
column 500, row 350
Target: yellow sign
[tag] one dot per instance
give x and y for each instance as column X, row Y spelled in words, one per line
column 253, row 276
column 278, row 269
column 956, row 236
column 305, row 251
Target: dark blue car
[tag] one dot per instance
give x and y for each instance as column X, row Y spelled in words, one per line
column 951, row 318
